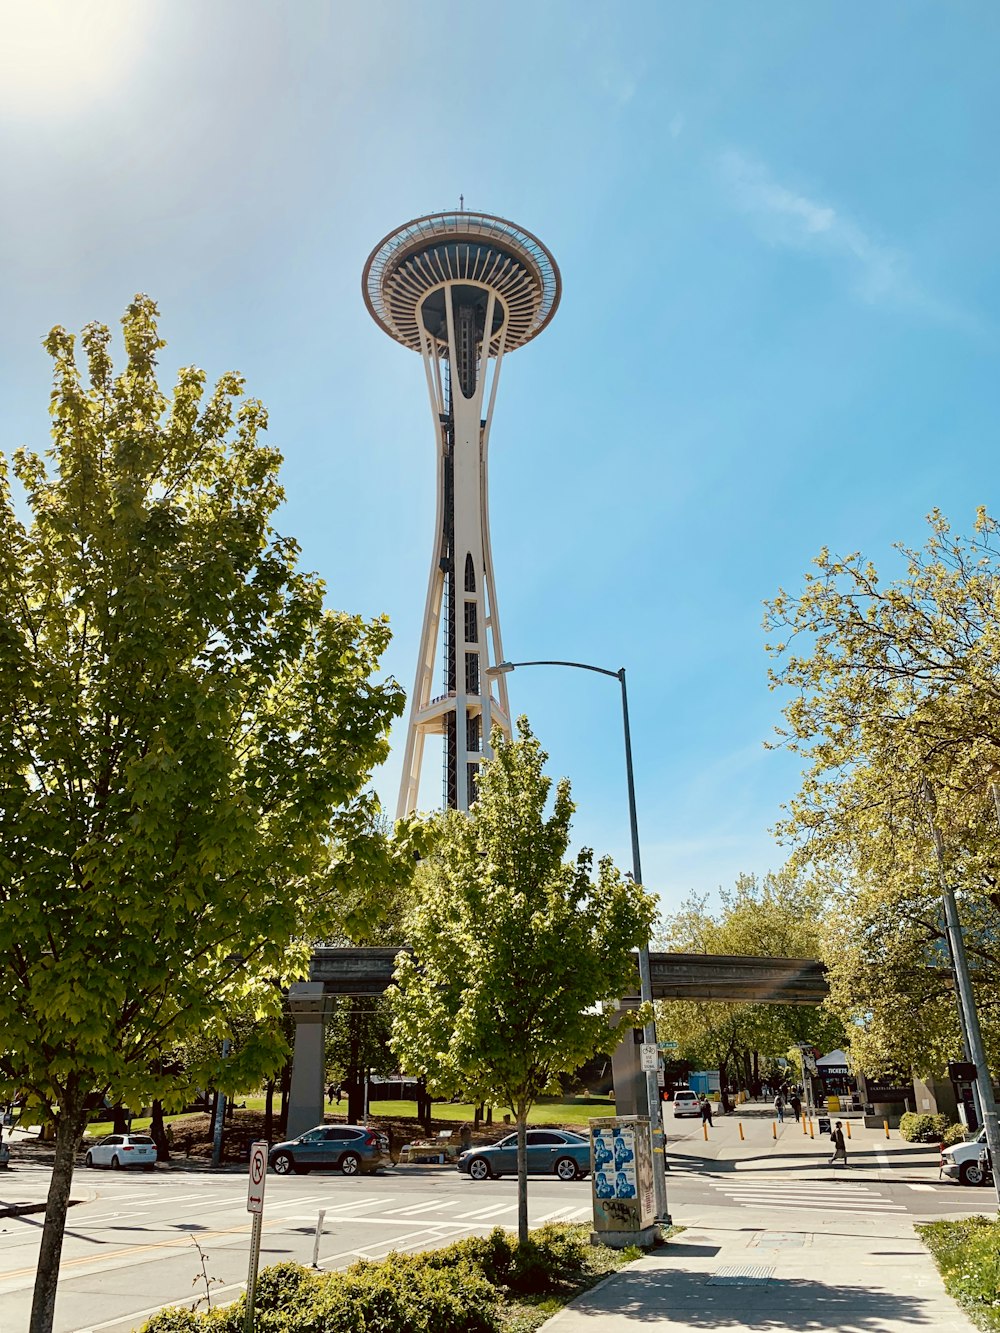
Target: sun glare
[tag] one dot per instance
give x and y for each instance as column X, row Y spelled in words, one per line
column 56, row 54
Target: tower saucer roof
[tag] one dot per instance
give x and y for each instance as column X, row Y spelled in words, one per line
column 465, row 248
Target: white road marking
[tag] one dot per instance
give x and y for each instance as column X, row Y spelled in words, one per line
column 883, row 1158
column 922, row 1187
column 550, row 1217
column 417, row 1207
column 489, row 1212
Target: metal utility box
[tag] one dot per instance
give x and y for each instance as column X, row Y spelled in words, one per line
column 621, row 1172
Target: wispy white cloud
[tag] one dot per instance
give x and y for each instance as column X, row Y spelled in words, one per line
column 787, row 217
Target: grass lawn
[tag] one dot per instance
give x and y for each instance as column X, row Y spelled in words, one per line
column 550, row 1111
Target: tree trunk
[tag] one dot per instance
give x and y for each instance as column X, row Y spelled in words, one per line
column 119, row 1119
column 158, row 1133
column 723, row 1079
column 522, row 1174
column 269, row 1110
column 69, row 1131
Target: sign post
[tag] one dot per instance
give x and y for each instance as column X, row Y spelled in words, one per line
column 255, row 1205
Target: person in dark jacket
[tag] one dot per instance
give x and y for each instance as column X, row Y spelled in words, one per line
column 795, row 1102
column 839, row 1146
column 706, row 1111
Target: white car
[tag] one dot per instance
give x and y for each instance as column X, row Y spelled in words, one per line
column 686, row 1102
column 961, row 1161
column 121, row 1150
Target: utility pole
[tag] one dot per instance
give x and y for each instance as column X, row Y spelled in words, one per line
column 968, row 1013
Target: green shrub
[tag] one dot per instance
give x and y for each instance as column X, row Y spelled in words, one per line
column 173, row 1320
column 922, row 1128
column 398, row 1295
column 178, row 1319
column 954, row 1134
column 457, row 1289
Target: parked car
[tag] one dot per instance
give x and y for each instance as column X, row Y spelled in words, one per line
column 349, row 1149
column 550, row 1152
column 686, row 1102
column 961, row 1161
column 121, row 1150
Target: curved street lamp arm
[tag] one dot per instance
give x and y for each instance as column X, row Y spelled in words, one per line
column 584, row 666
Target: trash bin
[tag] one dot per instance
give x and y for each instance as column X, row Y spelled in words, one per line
column 824, row 1124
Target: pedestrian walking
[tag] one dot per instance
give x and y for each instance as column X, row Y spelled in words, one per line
column 795, row 1103
column 839, row 1146
column 779, row 1108
column 706, row 1111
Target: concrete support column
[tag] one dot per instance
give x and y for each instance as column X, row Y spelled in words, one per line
column 307, row 1004
column 626, row 1070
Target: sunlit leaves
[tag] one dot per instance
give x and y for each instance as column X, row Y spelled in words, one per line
column 185, row 732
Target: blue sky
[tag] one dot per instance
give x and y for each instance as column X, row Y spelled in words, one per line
column 776, row 226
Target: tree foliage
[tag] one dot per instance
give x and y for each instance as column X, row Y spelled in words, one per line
column 514, row 948
column 895, row 707
column 185, row 738
column 779, row 916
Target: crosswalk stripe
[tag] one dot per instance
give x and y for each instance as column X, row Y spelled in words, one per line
column 820, row 1205
column 416, row 1208
column 799, row 1205
column 489, row 1212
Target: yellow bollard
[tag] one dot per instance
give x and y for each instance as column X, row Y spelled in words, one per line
column 847, row 1126
column 885, row 1125
column 741, row 1131
column 811, row 1134
column 704, row 1129
column 804, row 1130
column 774, row 1130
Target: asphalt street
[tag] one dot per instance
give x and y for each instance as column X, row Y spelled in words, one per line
column 133, row 1241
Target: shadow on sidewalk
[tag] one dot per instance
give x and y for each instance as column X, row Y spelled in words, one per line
column 666, row 1297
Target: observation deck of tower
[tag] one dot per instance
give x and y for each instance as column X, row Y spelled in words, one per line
column 463, row 289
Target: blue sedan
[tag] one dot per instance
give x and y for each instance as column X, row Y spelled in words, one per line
column 550, row 1152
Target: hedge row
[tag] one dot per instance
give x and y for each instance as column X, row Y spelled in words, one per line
column 459, row 1289
column 968, row 1255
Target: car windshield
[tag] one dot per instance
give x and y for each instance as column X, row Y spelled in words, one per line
column 141, row 1139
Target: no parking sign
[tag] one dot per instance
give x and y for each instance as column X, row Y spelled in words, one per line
column 258, row 1176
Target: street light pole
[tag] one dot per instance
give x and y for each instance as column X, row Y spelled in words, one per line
column 645, row 977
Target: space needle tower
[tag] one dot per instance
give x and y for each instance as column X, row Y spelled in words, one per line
column 462, row 289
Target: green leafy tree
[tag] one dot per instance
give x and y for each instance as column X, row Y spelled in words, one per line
column 894, row 706
column 185, row 739
column 514, row 949
column 778, row 916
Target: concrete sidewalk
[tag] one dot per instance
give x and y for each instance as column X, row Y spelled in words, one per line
column 878, row 1278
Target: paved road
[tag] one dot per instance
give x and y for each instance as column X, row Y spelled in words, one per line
column 131, row 1246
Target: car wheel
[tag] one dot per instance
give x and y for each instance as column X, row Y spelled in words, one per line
column 115, row 1163
column 283, row 1163
column 971, row 1173
column 350, row 1164
column 479, row 1169
column 89, row 1161
column 566, row 1169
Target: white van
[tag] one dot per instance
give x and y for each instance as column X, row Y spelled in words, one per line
column 686, row 1102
